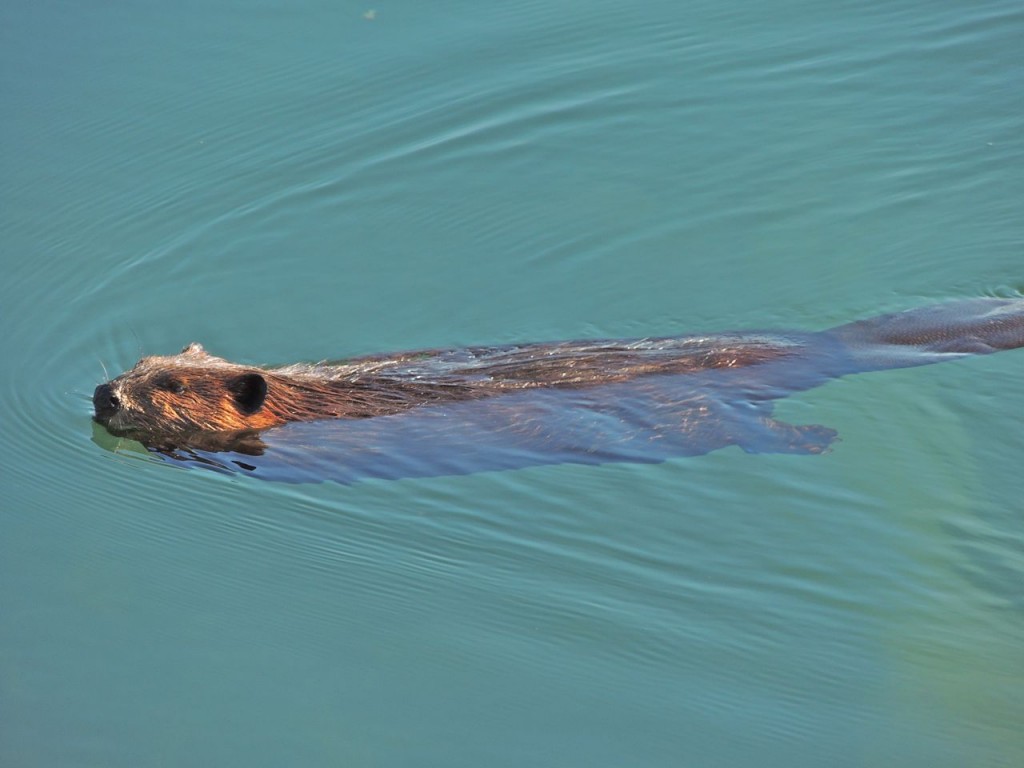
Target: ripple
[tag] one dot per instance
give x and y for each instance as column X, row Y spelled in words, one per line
column 287, row 190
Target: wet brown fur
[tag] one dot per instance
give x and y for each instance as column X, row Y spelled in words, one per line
column 195, row 391
column 163, row 399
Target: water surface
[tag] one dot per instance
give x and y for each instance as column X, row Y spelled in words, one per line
column 297, row 181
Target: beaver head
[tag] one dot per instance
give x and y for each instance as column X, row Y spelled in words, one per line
column 189, row 392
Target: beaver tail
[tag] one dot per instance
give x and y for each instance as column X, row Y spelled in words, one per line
column 934, row 333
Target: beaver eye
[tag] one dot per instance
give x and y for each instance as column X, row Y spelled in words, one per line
column 171, row 384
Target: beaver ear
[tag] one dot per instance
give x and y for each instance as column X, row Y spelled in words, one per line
column 249, row 390
column 195, row 348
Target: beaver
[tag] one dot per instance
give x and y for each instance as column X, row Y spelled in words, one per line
column 195, row 399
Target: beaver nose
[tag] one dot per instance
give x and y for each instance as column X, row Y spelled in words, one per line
column 105, row 403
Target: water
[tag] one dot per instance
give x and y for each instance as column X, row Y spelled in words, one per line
column 296, row 181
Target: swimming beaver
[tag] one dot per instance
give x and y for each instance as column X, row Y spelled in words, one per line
column 715, row 390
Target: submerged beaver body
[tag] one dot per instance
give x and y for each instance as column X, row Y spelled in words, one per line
column 696, row 384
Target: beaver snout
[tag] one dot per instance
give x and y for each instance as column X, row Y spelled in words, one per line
column 105, row 403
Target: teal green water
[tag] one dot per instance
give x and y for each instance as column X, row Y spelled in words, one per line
column 309, row 180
